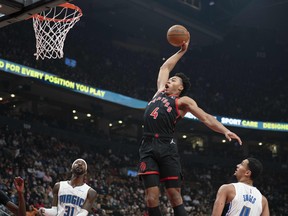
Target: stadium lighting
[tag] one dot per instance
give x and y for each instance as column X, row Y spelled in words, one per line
column 110, row 124
column 212, row 3
column 73, row 111
column 88, row 115
column 260, row 143
column 1, row 98
column 120, row 121
column 184, row 136
column 75, row 117
column 12, row 95
column 223, row 141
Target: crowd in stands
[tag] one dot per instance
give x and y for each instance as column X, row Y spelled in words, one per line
column 242, row 77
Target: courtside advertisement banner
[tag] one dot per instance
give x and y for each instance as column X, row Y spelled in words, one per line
column 51, row 79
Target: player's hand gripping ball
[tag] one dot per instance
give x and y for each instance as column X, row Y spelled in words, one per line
column 177, row 35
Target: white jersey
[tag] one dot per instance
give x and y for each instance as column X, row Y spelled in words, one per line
column 247, row 201
column 71, row 199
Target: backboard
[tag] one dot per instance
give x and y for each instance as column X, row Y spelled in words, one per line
column 12, row 11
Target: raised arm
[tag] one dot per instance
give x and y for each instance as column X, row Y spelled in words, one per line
column 168, row 66
column 187, row 104
column 19, row 185
column 91, row 197
column 4, row 199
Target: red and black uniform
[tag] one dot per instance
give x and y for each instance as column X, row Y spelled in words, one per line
column 158, row 151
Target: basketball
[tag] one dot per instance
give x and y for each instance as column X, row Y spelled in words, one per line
column 177, row 34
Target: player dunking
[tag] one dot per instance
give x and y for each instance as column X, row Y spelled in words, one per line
column 159, row 159
column 243, row 198
column 72, row 197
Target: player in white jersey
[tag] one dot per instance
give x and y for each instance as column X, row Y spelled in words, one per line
column 72, row 197
column 243, row 198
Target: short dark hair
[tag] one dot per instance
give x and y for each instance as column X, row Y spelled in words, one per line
column 255, row 166
column 185, row 81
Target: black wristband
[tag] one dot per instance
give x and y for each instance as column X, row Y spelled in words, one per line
column 4, row 199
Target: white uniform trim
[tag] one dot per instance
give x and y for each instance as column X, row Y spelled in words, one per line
column 50, row 212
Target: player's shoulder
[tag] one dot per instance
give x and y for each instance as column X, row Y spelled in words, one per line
column 185, row 100
column 227, row 187
column 159, row 92
column 56, row 187
column 264, row 199
column 57, row 183
column 92, row 192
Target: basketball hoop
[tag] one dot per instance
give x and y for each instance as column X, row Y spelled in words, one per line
column 51, row 27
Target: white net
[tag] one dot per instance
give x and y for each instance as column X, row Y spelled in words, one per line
column 51, row 27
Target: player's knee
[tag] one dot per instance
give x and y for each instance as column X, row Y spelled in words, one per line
column 174, row 196
column 152, row 199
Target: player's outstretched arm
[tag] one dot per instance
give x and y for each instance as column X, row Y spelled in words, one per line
column 187, row 104
column 91, row 197
column 168, row 66
column 19, row 185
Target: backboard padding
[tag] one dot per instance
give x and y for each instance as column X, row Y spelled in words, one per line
column 12, row 11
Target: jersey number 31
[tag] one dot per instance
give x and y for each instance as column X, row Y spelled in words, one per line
column 69, row 211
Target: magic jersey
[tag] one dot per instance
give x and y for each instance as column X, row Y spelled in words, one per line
column 71, row 199
column 247, row 201
column 161, row 114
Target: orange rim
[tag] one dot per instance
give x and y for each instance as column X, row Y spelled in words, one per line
column 65, row 5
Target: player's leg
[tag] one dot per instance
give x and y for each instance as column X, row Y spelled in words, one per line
column 149, row 175
column 171, row 175
column 173, row 192
column 152, row 192
column 175, row 198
